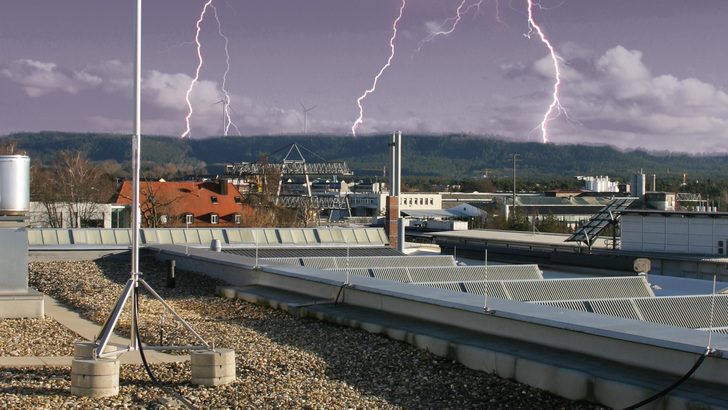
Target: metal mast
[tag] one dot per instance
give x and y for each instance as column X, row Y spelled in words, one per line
column 132, row 284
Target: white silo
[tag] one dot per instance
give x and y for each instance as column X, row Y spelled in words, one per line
column 638, row 185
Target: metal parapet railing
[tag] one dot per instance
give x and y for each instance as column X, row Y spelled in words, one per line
column 241, row 237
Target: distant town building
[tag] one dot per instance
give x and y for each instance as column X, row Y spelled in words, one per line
column 638, row 185
column 600, row 184
column 663, row 201
column 170, row 204
column 572, row 210
column 67, row 215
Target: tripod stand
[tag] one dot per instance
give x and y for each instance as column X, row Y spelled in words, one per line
column 132, row 289
column 132, row 285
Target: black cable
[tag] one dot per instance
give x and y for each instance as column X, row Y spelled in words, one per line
column 336, row 301
column 672, row 386
column 144, row 359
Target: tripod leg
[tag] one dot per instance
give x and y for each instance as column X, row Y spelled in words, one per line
column 110, row 323
column 169, row 308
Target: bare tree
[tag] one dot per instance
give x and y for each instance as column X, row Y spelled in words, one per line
column 9, row 146
column 154, row 205
column 44, row 190
column 72, row 186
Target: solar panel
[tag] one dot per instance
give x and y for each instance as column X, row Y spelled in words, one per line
column 685, row 311
column 319, row 262
column 454, row 286
column 607, row 215
column 692, row 312
column 495, row 289
column 289, row 261
column 468, row 273
column 565, row 289
column 565, row 304
column 398, row 274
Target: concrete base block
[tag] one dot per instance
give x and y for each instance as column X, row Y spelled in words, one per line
column 22, row 305
column 94, row 377
column 212, row 368
column 86, row 350
column 226, row 292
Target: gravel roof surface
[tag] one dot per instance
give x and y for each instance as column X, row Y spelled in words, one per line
column 281, row 362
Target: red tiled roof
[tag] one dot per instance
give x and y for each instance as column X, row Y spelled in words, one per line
column 186, row 197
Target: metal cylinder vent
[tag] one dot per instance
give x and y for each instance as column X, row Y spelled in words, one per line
column 14, row 185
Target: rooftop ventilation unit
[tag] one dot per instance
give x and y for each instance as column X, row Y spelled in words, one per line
column 14, row 185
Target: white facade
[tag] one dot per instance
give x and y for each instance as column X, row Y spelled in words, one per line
column 675, row 232
column 376, row 202
column 367, row 204
column 102, row 215
column 600, row 184
column 420, row 201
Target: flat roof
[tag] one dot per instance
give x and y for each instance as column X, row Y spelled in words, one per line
column 551, row 239
column 690, row 214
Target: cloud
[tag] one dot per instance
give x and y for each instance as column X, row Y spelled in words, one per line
column 616, row 99
column 115, row 75
column 40, row 78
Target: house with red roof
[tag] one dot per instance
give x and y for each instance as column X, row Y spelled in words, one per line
column 170, row 204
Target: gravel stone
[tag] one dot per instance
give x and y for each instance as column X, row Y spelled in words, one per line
column 281, row 362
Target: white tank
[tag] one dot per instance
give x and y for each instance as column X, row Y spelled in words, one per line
column 14, row 185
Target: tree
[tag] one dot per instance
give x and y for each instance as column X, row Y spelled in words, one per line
column 72, row 186
column 265, row 212
column 9, row 146
column 519, row 221
column 551, row 224
column 154, row 205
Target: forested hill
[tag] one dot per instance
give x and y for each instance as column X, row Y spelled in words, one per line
column 453, row 156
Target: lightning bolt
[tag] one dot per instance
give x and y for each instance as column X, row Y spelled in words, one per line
column 224, row 76
column 555, row 106
column 197, row 71
column 376, row 79
column 461, row 10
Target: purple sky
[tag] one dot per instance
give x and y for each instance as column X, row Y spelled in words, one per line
column 648, row 73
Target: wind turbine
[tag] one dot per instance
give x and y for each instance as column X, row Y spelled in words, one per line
column 225, row 105
column 305, row 116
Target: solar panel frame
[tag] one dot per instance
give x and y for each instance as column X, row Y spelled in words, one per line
column 596, row 224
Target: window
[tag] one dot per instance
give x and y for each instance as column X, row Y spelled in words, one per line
column 213, row 199
column 238, row 219
column 189, row 219
column 214, row 219
column 238, row 200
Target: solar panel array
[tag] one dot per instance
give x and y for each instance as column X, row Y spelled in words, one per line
column 692, row 312
column 558, row 289
column 468, row 273
column 418, row 274
column 596, row 224
column 627, row 297
column 341, row 262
